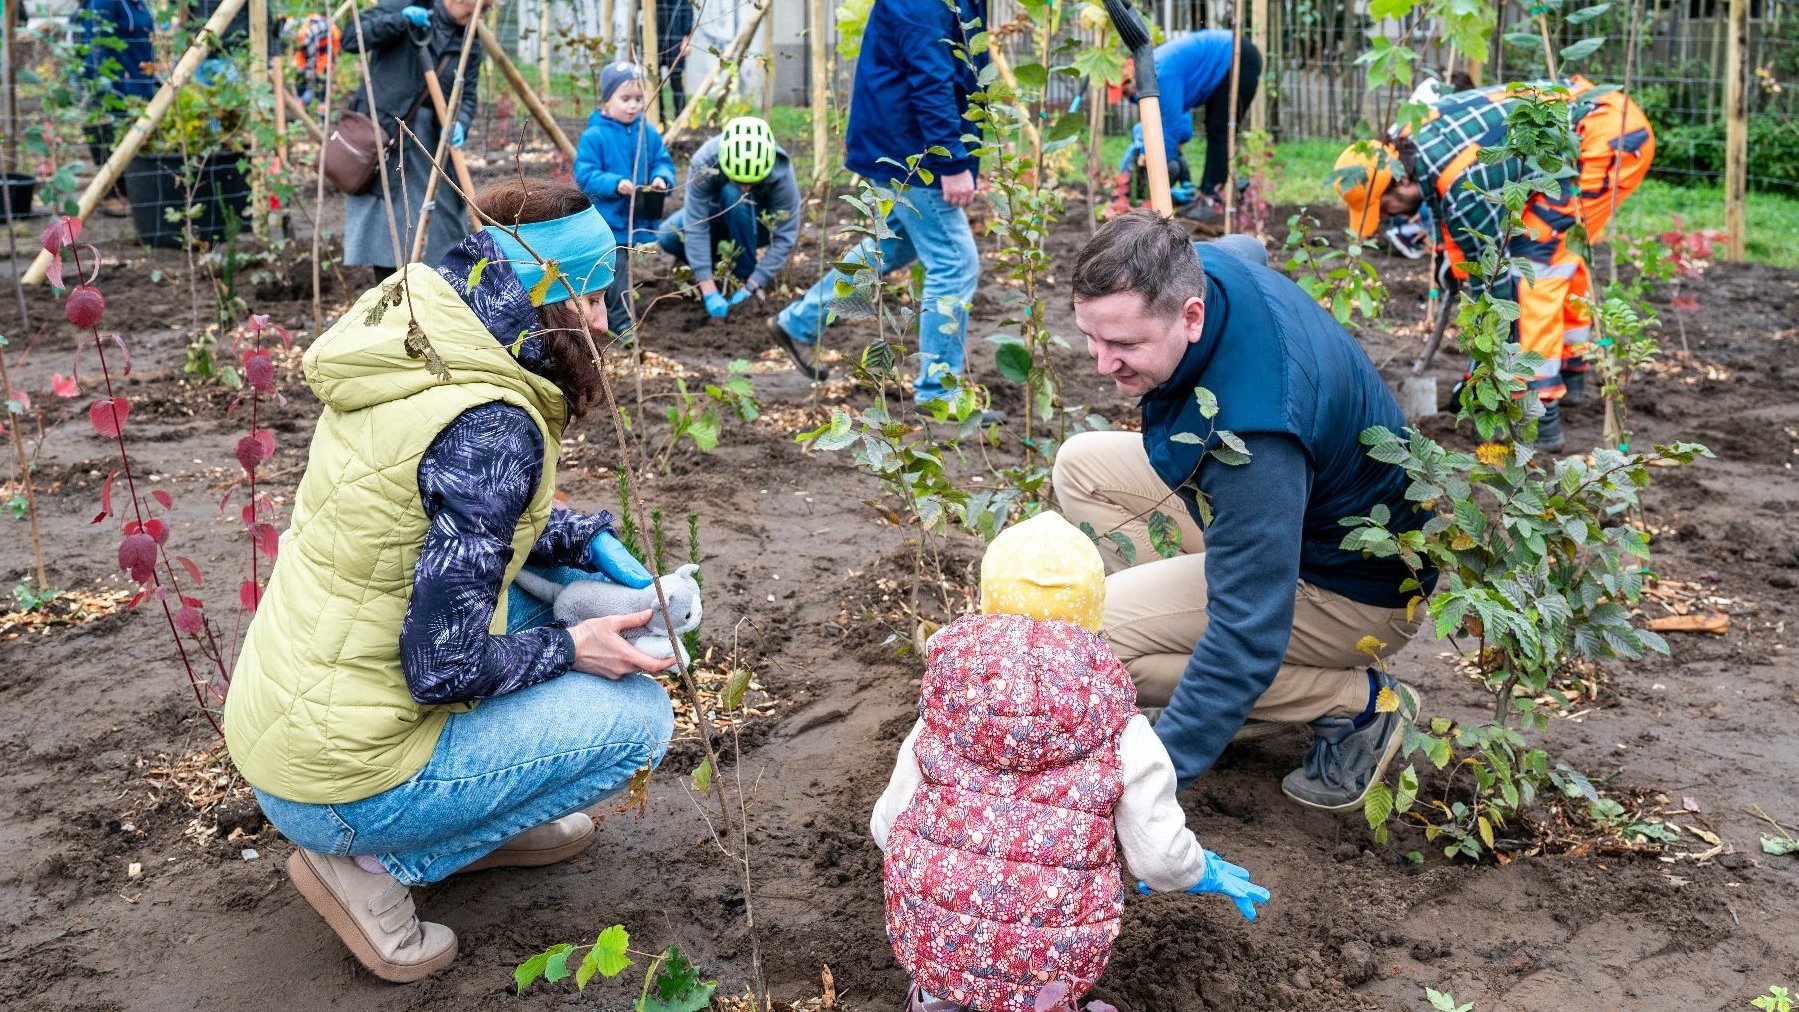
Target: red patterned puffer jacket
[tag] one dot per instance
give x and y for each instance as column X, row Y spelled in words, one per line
column 1002, row 874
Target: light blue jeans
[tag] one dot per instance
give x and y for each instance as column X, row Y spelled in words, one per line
column 514, row 762
column 928, row 230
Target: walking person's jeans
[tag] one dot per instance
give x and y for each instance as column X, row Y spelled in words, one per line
column 925, row 229
column 513, row 762
column 737, row 222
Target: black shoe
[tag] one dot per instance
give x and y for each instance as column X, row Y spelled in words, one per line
column 1550, row 438
column 804, row 355
column 1576, row 382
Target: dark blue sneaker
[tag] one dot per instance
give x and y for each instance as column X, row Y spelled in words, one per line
column 1345, row 760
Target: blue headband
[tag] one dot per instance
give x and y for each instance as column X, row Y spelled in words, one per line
column 581, row 245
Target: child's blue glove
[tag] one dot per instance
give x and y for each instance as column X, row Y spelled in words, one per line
column 716, row 306
column 614, row 561
column 419, row 16
column 457, row 135
column 1183, row 193
column 1221, row 876
column 740, row 295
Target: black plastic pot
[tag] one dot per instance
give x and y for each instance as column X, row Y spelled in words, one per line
column 156, row 184
column 20, row 190
column 648, row 203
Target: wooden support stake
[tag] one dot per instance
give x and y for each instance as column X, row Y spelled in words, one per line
column 509, row 71
column 297, row 110
column 1258, row 34
column 543, row 47
column 821, row 94
column 1736, row 129
column 144, row 125
column 1230, row 137
column 720, row 77
column 652, row 63
column 1004, row 66
column 768, row 65
column 1096, row 139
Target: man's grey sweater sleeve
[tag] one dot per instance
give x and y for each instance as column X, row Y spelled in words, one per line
column 1252, row 573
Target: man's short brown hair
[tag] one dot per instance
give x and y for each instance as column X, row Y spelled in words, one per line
column 1140, row 252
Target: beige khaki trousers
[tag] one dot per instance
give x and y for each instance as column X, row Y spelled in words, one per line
column 1156, row 609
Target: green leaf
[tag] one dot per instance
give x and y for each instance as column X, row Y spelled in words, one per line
column 1779, row 845
column 1013, row 362
column 1408, row 791
column 1377, row 807
column 526, row 973
column 1031, row 75
column 1586, row 14
column 1185, row 437
column 1583, row 49
column 735, row 689
column 702, row 777
column 607, row 957
column 1164, row 535
column 678, row 987
column 1067, row 125
column 555, row 968
column 1127, row 549
column 475, row 272
column 1395, row 9
column 1208, row 404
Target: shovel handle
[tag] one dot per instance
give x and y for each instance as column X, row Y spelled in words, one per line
column 1134, row 33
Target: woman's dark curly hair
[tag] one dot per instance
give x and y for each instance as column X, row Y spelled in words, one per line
column 522, row 202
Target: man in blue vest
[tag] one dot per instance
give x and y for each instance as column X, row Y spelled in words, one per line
column 1260, row 621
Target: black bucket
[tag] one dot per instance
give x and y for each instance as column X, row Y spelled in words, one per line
column 157, row 183
column 647, row 204
column 21, row 189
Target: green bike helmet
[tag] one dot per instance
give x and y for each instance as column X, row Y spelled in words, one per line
column 746, row 150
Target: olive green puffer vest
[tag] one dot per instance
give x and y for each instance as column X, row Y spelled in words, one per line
column 319, row 711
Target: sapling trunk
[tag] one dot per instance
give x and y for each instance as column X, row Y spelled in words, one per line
column 18, row 443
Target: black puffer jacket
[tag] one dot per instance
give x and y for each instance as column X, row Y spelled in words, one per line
column 396, row 65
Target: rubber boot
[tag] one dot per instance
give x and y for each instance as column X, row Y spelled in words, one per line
column 1550, row 438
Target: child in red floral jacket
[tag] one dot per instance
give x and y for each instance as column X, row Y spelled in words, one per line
column 1027, row 770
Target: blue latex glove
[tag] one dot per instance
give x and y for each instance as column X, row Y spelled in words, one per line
column 740, row 295
column 457, row 135
column 420, row 16
column 614, row 561
column 716, row 306
column 1183, row 193
column 1221, row 876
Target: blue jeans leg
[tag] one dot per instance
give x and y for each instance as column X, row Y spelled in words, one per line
column 806, row 318
column 670, row 235
column 945, row 244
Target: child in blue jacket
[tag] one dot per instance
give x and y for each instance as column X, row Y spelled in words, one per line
column 619, row 153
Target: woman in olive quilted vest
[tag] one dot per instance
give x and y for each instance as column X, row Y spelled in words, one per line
column 1028, row 769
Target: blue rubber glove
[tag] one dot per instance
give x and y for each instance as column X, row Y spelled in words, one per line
column 740, row 295
column 716, row 306
column 1221, row 876
column 457, row 135
column 607, row 554
column 1183, row 193
column 419, row 16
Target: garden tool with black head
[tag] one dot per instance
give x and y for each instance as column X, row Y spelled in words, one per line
column 1134, row 33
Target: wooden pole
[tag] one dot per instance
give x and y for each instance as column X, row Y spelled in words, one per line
column 652, row 64
column 259, row 76
column 10, row 54
column 1004, row 66
column 1096, row 139
column 821, row 94
column 1230, row 138
column 768, row 65
column 1258, row 34
column 732, row 55
column 144, row 125
column 611, row 46
column 543, row 47
column 445, row 126
column 1736, row 129
column 297, row 110
column 491, row 46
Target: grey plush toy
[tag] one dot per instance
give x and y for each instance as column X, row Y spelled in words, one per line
column 585, row 599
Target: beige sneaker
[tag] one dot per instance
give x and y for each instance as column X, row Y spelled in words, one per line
column 374, row 916
column 540, row 845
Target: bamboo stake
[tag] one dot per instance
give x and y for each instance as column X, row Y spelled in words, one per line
column 1548, row 47
column 611, row 45
column 768, row 65
column 539, row 112
column 652, row 64
column 445, row 123
column 1258, row 34
column 1096, row 139
column 297, row 110
column 821, row 95
column 259, row 75
column 732, row 55
column 144, row 125
column 543, row 47
column 1736, row 129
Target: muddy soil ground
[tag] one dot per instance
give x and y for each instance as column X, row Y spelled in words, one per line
column 795, row 560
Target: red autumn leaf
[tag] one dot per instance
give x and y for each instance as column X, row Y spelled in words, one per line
column 64, row 386
column 188, row 620
column 105, row 498
column 60, row 232
column 193, row 571
column 84, row 307
column 162, row 496
column 138, row 598
column 1685, row 303
column 108, row 415
column 247, row 514
column 250, row 452
column 157, row 530
column 267, row 438
column 191, row 602
column 54, row 273
column 137, row 554
column 268, row 540
column 120, row 342
column 259, row 370
column 249, row 595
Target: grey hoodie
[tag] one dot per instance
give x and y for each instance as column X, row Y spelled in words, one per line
column 776, row 200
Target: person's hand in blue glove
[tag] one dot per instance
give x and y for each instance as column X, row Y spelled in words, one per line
column 741, row 294
column 1183, row 193
column 716, row 306
column 457, row 135
column 419, row 16
column 1221, row 876
column 607, row 554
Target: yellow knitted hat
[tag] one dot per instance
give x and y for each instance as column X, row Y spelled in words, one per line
column 1045, row 568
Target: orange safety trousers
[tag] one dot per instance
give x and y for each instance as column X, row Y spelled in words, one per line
column 1617, row 147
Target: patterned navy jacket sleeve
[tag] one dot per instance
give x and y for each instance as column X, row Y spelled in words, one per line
column 565, row 537
column 476, row 480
